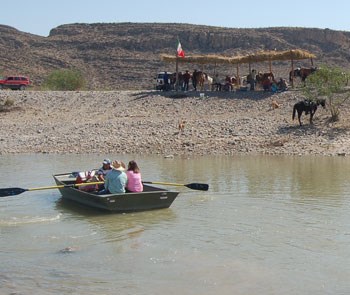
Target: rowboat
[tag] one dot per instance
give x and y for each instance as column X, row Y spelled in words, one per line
column 150, row 199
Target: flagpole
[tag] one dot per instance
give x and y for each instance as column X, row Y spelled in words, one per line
column 177, row 73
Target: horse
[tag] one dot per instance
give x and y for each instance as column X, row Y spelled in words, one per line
column 230, row 81
column 261, row 77
column 265, row 79
column 307, row 106
column 302, row 73
column 172, row 78
column 209, row 80
column 199, row 78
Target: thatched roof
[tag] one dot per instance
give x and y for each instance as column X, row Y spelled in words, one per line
column 293, row 54
column 199, row 59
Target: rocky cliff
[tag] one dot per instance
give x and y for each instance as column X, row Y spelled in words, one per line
column 127, row 55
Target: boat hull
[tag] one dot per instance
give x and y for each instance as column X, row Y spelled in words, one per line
column 150, row 199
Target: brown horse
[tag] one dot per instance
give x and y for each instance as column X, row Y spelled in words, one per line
column 230, row 81
column 172, row 78
column 265, row 79
column 302, row 73
column 199, row 78
column 260, row 77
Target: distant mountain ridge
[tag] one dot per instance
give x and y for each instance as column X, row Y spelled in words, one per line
column 127, row 55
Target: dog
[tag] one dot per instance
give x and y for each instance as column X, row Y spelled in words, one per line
column 274, row 105
column 181, row 125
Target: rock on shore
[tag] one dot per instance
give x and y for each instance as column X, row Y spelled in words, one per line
column 147, row 123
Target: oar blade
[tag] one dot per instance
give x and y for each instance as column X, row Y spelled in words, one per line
column 198, row 186
column 195, row 186
column 11, row 191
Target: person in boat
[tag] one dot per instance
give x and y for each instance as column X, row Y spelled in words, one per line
column 116, row 179
column 85, row 177
column 134, row 178
column 103, row 171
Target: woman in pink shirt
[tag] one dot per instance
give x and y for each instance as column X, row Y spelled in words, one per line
column 134, row 178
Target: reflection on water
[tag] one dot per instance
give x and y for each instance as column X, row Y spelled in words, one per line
column 116, row 226
column 265, row 223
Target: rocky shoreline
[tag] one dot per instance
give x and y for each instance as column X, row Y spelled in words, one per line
column 146, row 122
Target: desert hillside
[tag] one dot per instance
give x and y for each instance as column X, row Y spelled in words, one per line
column 116, row 56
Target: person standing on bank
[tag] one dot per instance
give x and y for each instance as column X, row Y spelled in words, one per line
column 186, row 78
column 194, row 80
column 116, row 180
column 217, row 83
column 166, row 86
column 134, row 178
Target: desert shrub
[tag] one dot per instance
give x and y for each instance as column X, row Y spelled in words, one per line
column 68, row 80
column 6, row 104
column 9, row 102
column 330, row 83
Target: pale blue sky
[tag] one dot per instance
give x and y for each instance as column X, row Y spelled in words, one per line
column 40, row 16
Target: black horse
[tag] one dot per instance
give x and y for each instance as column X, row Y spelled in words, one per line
column 307, row 106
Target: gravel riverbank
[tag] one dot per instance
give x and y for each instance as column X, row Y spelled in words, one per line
column 137, row 122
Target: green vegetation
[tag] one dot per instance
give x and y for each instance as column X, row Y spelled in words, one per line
column 67, row 80
column 9, row 102
column 5, row 106
column 329, row 83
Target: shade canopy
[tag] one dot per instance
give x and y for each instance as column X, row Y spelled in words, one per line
column 261, row 56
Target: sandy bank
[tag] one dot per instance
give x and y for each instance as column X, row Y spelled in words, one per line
column 147, row 123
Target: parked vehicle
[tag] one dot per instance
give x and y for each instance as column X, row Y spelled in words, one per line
column 15, row 82
column 160, row 80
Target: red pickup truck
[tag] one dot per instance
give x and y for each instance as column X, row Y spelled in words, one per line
column 15, row 82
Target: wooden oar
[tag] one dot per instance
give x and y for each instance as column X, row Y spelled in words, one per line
column 195, row 186
column 12, row 191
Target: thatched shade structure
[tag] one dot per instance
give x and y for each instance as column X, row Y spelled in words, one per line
column 198, row 59
column 262, row 56
column 293, row 54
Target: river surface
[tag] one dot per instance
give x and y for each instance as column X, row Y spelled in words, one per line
column 267, row 225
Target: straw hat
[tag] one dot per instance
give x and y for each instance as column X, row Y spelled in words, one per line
column 118, row 165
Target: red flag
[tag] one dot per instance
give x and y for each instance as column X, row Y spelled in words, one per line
column 180, row 52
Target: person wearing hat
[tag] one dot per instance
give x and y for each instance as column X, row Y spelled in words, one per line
column 116, row 179
column 104, row 170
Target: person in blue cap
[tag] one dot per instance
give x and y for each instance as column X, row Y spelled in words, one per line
column 103, row 171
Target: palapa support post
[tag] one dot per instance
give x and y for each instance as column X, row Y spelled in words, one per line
column 292, row 72
column 238, row 78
